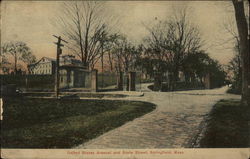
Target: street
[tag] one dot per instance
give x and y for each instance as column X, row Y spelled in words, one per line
column 173, row 124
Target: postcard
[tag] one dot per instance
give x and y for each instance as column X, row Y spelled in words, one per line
column 125, row 79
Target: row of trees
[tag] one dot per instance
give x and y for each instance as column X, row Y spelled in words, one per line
column 171, row 45
column 174, row 45
column 91, row 36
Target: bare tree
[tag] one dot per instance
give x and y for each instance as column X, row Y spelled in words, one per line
column 124, row 54
column 19, row 51
column 184, row 39
column 28, row 58
column 173, row 39
column 82, row 22
column 4, row 62
column 234, row 69
column 243, row 29
column 111, row 46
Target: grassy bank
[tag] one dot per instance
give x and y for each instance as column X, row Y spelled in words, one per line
column 51, row 123
column 227, row 126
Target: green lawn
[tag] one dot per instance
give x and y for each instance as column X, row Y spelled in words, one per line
column 51, row 123
column 227, row 126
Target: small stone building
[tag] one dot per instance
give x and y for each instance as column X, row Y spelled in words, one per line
column 72, row 73
column 74, row 76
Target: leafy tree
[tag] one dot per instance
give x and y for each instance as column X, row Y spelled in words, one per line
column 200, row 64
column 195, row 64
column 217, row 74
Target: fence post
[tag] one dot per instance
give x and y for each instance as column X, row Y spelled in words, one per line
column 94, row 80
column 131, row 81
column 157, row 81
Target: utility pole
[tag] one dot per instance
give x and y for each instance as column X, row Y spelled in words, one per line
column 58, row 53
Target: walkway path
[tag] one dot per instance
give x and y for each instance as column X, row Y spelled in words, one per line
column 174, row 122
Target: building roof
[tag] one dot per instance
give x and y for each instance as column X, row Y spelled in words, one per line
column 72, row 66
column 48, row 58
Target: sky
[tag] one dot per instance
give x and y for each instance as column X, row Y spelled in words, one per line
column 32, row 22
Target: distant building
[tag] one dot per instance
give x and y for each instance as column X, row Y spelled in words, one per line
column 45, row 66
column 72, row 72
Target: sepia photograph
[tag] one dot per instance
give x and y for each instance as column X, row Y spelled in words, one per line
column 125, row 79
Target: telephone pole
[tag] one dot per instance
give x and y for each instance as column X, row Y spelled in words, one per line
column 58, row 53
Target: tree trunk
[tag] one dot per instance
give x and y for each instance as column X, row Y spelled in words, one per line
column 110, row 62
column 244, row 48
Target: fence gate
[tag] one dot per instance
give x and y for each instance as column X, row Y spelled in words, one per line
column 132, row 81
column 75, row 78
column 107, row 81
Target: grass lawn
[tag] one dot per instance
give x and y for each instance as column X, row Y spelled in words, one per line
column 227, row 126
column 52, row 123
